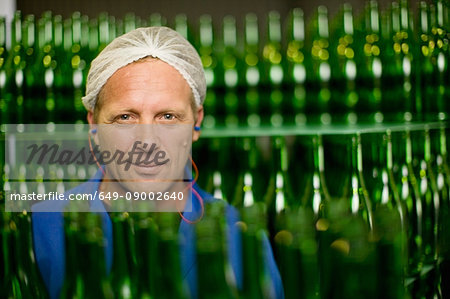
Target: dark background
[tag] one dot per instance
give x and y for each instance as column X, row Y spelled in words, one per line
column 193, row 9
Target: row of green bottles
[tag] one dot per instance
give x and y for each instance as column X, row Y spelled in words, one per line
column 379, row 65
column 19, row 273
column 146, row 259
column 385, row 194
column 347, row 215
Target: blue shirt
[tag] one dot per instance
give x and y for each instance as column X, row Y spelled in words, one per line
column 49, row 241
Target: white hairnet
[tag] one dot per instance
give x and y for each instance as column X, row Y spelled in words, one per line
column 159, row 42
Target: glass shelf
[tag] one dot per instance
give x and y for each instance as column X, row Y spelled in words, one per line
column 333, row 129
column 79, row 132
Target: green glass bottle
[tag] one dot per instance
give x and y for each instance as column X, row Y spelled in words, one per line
column 296, row 65
column 93, row 44
column 214, row 106
column 182, row 27
column 279, row 197
column 103, row 30
column 355, row 190
column 347, row 259
column 318, row 103
column 29, row 275
column 213, row 148
column 4, row 93
column 86, row 275
column 212, row 269
column 410, row 195
column 390, row 228
column 217, row 186
column 157, row 19
column 47, row 52
column 256, row 281
column 210, row 148
column 22, row 278
column 430, row 199
column 146, row 245
column 443, row 185
column 62, row 82
column 231, row 68
column 439, row 49
column 297, row 249
column 34, row 91
column 15, row 71
column 249, row 178
column 431, row 203
column 169, row 280
column 206, row 51
column 398, row 74
column 424, row 77
column 84, row 41
column 78, row 62
column 372, row 67
column 347, row 105
column 8, row 279
column 231, row 61
column 11, row 283
column 129, row 23
column 316, row 192
column 273, row 105
column 386, row 193
column 121, row 267
column 251, row 70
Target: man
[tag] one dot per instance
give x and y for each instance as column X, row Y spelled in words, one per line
column 145, row 79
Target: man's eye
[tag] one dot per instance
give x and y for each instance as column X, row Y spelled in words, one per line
column 168, row 116
column 125, row 117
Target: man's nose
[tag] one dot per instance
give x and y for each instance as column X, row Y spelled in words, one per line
column 147, row 133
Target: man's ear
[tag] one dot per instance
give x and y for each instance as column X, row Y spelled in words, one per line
column 198, row 123
column 92, row 126
column 90, row 118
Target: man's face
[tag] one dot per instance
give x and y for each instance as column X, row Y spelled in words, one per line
column 143, row 104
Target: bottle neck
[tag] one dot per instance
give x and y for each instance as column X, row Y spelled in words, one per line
column 181, row 25
column 280, row 155
column 423, row 18
column 427, row 146
column 408, row 148
column 320, row 191
column 76, row 28
column 440, row 13
column 274, row 30
column 280, row 174
column 229, row 32
column 373, row 18
column 58, row 31
column 3, row 33
column 210, row 250
column 404, row 16
column 251, row 30
column 443, row 143
column 206, row 32
column 319, row 162
column 348, row 19
column 17, row 29
column 322, row 22
column 130, row 22
column 360, row 202
column 103, row 30
column 298, row 25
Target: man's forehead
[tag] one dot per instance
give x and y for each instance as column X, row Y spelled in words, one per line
column 170, row 83
column 162, row 42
